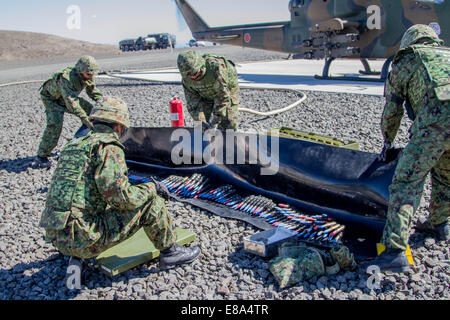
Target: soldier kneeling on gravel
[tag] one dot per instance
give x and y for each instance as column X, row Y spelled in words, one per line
column 419, row 80
column 91, row 205
column 60, row 94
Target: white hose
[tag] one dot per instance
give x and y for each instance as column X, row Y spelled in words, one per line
column 277, row 111
column 21, row 82
column 258, row 113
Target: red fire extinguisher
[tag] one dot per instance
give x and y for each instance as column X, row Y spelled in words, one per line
column 176, row 112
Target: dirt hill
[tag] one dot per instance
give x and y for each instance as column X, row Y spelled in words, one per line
column 19, row 45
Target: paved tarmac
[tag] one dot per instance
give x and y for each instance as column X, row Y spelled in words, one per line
column 41, row 69
column 284, row 74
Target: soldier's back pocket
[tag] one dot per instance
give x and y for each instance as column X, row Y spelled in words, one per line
column 53, row 219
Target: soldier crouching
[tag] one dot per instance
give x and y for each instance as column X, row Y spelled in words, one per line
column 91, row 205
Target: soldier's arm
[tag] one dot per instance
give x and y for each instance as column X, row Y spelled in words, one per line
column 222, row 101
column 72, row 102
column 194, row 104
column 396, row 94
column 111, row 178
column 392, row 114
column 92, row 91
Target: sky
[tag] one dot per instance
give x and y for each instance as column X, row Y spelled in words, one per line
column 109, row 21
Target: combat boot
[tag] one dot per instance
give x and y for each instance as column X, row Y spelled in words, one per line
column 440, row 231
column 391, row 260
column 42, row 163
column 82, row 131
column 176, row 255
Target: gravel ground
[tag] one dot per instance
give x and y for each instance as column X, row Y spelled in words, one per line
column 32, row 269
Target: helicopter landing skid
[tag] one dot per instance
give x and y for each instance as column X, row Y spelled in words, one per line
column 367, row 71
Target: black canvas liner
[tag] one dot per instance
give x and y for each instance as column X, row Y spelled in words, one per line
column 348, row 185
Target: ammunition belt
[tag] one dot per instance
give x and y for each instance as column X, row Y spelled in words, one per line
column 315, row 229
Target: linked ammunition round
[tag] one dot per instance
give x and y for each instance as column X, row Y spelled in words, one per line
column 311, row 228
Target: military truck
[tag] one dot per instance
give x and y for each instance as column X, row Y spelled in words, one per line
column 164, row 40
column 127, row 44
column 141, row 43
column 145, row 43
column 151, row 41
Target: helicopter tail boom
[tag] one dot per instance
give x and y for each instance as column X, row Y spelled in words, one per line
column 194, row 21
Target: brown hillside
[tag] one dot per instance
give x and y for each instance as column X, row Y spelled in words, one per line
column 19, row 45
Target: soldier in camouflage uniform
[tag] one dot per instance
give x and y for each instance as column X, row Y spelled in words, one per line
column 60, row 94
column 419, row 79
column 91, row 205
column 211, row 87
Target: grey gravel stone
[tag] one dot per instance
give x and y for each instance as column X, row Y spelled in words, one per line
column 430, row 262
column 365, row 297
column 400, row 295
column 326, row 293
column 429, row 243
column 323, row 280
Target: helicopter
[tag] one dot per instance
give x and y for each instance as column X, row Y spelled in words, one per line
column 331, row 29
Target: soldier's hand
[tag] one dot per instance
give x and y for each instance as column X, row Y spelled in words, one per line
column 88, row 124
column 383, row 154
column 161, row 189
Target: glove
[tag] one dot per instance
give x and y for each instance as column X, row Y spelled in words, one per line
column 205, row 126
column 161, row 190
column 82, row 131
column 383, row 155
column 87, row 123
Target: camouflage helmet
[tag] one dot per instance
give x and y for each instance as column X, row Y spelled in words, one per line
column 111, row 110
column 416, row 33
column 87, row 64
column 189, row 63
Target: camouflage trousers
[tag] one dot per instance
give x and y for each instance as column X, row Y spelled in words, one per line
column 54, row 110
column 225, row 117
column 427, row 152
column 84, row 239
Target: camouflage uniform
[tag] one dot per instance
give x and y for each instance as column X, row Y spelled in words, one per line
column 60, row 94
column 420, row 78
column 215, row 91
column 91, row 205
column 295, row 264
column 342, row 255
